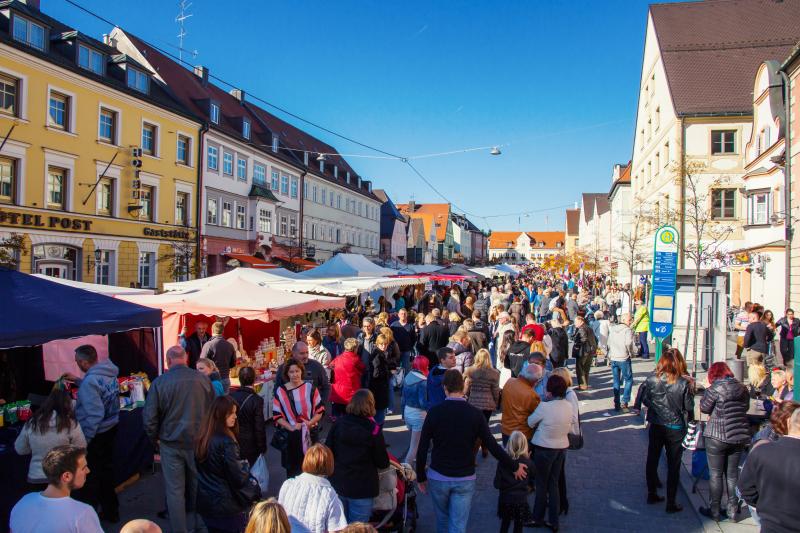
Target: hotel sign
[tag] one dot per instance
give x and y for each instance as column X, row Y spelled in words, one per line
column 44, row 221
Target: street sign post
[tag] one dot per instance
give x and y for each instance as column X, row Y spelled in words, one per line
column 665, row 276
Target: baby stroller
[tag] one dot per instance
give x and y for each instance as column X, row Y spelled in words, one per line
column 395, row 507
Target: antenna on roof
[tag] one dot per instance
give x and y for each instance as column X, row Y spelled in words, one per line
column 183, row 14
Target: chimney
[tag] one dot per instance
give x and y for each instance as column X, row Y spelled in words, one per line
column 201, row 72
column 238, row 94
column 412, row 206
column 34, row 4
column 108, row 40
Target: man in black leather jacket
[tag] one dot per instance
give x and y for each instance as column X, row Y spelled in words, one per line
column 669, row 399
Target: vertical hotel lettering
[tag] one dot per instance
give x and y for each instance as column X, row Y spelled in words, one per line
column 98, row 171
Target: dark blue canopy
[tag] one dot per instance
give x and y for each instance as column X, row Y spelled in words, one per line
column 34, row 311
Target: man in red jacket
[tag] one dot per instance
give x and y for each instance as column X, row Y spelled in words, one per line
column 346, row 372
column 531, row 324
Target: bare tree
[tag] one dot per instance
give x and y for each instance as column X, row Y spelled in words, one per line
column 11, row 249
column 181, row 259
column 706, row 234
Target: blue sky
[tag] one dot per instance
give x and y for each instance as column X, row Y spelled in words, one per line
column 556, row 81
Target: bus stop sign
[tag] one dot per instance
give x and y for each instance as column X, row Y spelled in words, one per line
column 665, row 273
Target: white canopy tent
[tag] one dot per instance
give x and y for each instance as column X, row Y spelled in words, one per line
column 490, row 272
column 421, row 269
column 108, row 290
column 252, row 275
column 348, row 266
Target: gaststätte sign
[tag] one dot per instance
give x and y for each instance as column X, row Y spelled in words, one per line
column 665, row 277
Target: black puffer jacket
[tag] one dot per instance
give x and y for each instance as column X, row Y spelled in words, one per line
column 252, row 430
column 668, row 404
column 220, row 477
column 727, row 401
column 359, row 452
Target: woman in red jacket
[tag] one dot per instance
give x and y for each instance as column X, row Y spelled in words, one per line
column 346, row 372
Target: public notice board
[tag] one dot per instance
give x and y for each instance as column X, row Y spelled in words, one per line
column 665, row 276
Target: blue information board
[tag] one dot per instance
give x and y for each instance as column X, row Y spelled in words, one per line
column 665, row 277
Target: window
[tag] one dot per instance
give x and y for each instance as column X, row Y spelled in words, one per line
column 8, row 95
column 335, row 171
column 241, row 216
column 56, row 187
column 360, row 208
column 59, row 111
column 227, row 163
column 211, row 211
column 146, row 199
column 295, row 186
column 658, row 162
column 658, row 118
column 183, row 149
column 314, row 193
column 305, row 190
column 8, row 183
column 666, row 154
column 213, row 161
column 108, row 126
column 723, row 142
column 723, row 203
column 28, row 32
column 213, row 112
column 226, row 214
column 331, row 198
column 324, row 196
column 241, row 170
column 182, row 209
column 285, row 184
column 259, row 174
column 338, row 236
column 274, row 143
column 758, row 208
column 305, row 158
column 322, row 166
column 265, row 220
column 102, row 267
column 274, row 180
column 137, row 79
column 149, row 139
column 338, row 201
column 246, row 128
column 90, row 59
column 313, row 231
column 147, row 269
column 105, row 197
column 284, row 225
column 292, row 227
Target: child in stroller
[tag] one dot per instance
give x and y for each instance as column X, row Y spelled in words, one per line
column 395, row 508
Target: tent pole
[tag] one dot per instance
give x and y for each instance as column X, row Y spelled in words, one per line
column 157, row 334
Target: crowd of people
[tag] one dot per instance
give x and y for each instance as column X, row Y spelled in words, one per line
column 454, row 356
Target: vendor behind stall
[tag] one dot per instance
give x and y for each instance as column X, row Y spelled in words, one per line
column 97, row 410
column 222, row 352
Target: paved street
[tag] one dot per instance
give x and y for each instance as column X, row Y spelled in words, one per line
column 605, row 480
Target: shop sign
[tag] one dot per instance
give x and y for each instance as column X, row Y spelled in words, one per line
column 44, row 221
column 167, row 233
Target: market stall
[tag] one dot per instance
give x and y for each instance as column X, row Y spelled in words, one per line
column 46, row 320
column 348, row 266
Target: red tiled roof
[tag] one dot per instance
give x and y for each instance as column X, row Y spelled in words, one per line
column 549, row 238
column 712, row 49
column 625, row 176
column 430, row 213
column 500, row 239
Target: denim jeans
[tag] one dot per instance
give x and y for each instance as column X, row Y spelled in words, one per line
column 451, row 502
column 405, row 360
column 357, row 509
column 644, row 353
column 622, row 371
column 723, row 458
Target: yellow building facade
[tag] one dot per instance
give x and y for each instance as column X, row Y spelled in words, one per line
column 98, row 165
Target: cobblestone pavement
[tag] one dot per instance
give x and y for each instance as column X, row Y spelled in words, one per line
column 605, row 480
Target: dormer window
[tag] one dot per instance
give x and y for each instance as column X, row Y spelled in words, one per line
column 305, row 158
column 348, row 177
column 246, row 128
column 29, row 33
column 213, row 112
column 274, row 143
column 335, row 171
column 322, row 166
column 137, row 79
column 90, row 59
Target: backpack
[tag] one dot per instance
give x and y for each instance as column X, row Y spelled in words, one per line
column 591, row 341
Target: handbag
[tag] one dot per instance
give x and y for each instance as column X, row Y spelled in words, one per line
column 694, row 439
column 576, row 440
column 248, row 493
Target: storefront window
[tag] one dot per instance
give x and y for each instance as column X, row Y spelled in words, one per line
column 102, row 269
column 56, row 260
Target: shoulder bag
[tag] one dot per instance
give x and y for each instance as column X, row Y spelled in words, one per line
column 576, row 441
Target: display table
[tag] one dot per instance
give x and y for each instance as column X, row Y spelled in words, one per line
column 133, row 453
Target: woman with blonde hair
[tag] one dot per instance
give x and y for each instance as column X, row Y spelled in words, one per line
column 454, row 322
column 482, row 387
column 758, row 382
column 209, row 368
column 268, row 517
column 512, row 500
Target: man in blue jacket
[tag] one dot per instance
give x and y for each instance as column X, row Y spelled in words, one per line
column 447, row 360
column 97, row 411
